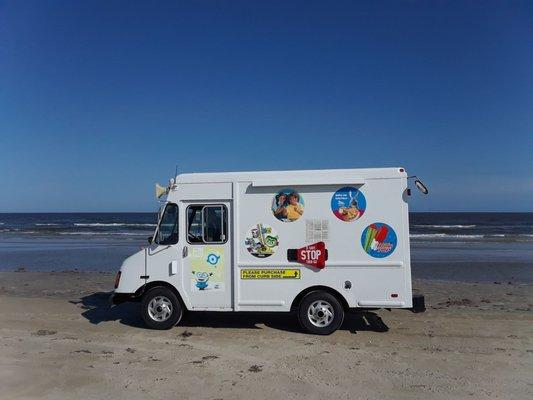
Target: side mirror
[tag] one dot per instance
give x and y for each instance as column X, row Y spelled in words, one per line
column 150, row 239
column 420, row 186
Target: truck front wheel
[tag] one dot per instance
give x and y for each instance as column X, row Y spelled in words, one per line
column 160, row 308
column 320, row 313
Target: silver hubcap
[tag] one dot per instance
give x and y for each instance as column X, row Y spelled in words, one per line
column 320, row 313
column 160, row 308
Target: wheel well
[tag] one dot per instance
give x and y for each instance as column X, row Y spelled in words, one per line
column 327, row 289
column 150, row 285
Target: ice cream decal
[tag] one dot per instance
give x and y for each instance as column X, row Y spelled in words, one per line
column 288, row 205
column 348, row 204
column 261, row 240
column 379, row 240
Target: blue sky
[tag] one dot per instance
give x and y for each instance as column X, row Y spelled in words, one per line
column 99, row 100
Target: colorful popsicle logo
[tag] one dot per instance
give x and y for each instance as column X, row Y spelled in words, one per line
column 379, row 240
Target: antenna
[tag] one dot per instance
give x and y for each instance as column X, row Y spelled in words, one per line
column 172, row 181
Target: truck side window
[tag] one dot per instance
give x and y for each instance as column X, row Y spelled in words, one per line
column 194, row 224
column 167, row 233
column 207, row 224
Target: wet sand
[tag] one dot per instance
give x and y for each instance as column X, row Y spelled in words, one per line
column 59, row 339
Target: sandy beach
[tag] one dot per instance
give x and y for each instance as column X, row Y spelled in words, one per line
column 304, row 156
column 60, row 339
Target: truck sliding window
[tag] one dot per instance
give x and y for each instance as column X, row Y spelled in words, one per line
column 207, row 224
column 167, row 232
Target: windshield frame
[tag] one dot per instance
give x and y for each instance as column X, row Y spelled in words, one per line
column 161, row 215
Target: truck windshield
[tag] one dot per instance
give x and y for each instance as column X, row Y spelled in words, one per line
column 167, row 233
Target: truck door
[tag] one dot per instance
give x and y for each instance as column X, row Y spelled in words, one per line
column 163, row 254
column 207, row 257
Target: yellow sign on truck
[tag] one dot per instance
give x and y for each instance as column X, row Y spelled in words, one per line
column 270, row 273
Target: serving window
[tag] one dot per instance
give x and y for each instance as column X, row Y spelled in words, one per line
column 207, row 224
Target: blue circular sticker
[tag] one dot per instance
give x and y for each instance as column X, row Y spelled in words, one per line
column 348, row 204
column 379, row 240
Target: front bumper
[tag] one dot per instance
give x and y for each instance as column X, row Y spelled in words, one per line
column 119, row 298
column 419, row 303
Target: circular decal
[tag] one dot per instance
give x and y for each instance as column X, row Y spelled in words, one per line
column 261, row 240
column 288, row 205
column 213, row 259
column 348, row 204
column 379, row 240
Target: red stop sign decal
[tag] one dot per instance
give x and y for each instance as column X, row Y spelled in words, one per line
column 314, row 255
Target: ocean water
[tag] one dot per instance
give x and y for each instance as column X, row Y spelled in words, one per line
column 464, row 227
column 84, row 241
column 463, row 246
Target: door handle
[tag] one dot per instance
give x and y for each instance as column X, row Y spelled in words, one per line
column 185, row 251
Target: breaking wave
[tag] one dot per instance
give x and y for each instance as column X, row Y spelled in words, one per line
column 111, row 224
column 459, row 237
column 447, row 226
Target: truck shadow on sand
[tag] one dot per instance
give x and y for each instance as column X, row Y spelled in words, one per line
column 97, row 308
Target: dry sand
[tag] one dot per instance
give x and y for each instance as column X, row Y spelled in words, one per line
column 59, row 339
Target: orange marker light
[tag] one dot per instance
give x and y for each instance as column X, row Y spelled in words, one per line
column 117, row 279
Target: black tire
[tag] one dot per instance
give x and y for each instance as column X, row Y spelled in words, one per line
column 318, row 319
column 160, row 308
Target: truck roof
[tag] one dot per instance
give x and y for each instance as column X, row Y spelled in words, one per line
column 319, row 176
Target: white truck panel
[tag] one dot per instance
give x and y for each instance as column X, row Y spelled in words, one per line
column 361, row 279
column 373, row 280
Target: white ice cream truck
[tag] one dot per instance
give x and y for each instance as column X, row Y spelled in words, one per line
column 318, row 242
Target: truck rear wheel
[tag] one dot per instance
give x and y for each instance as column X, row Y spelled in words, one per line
column 160, row 308
column 320, row 313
